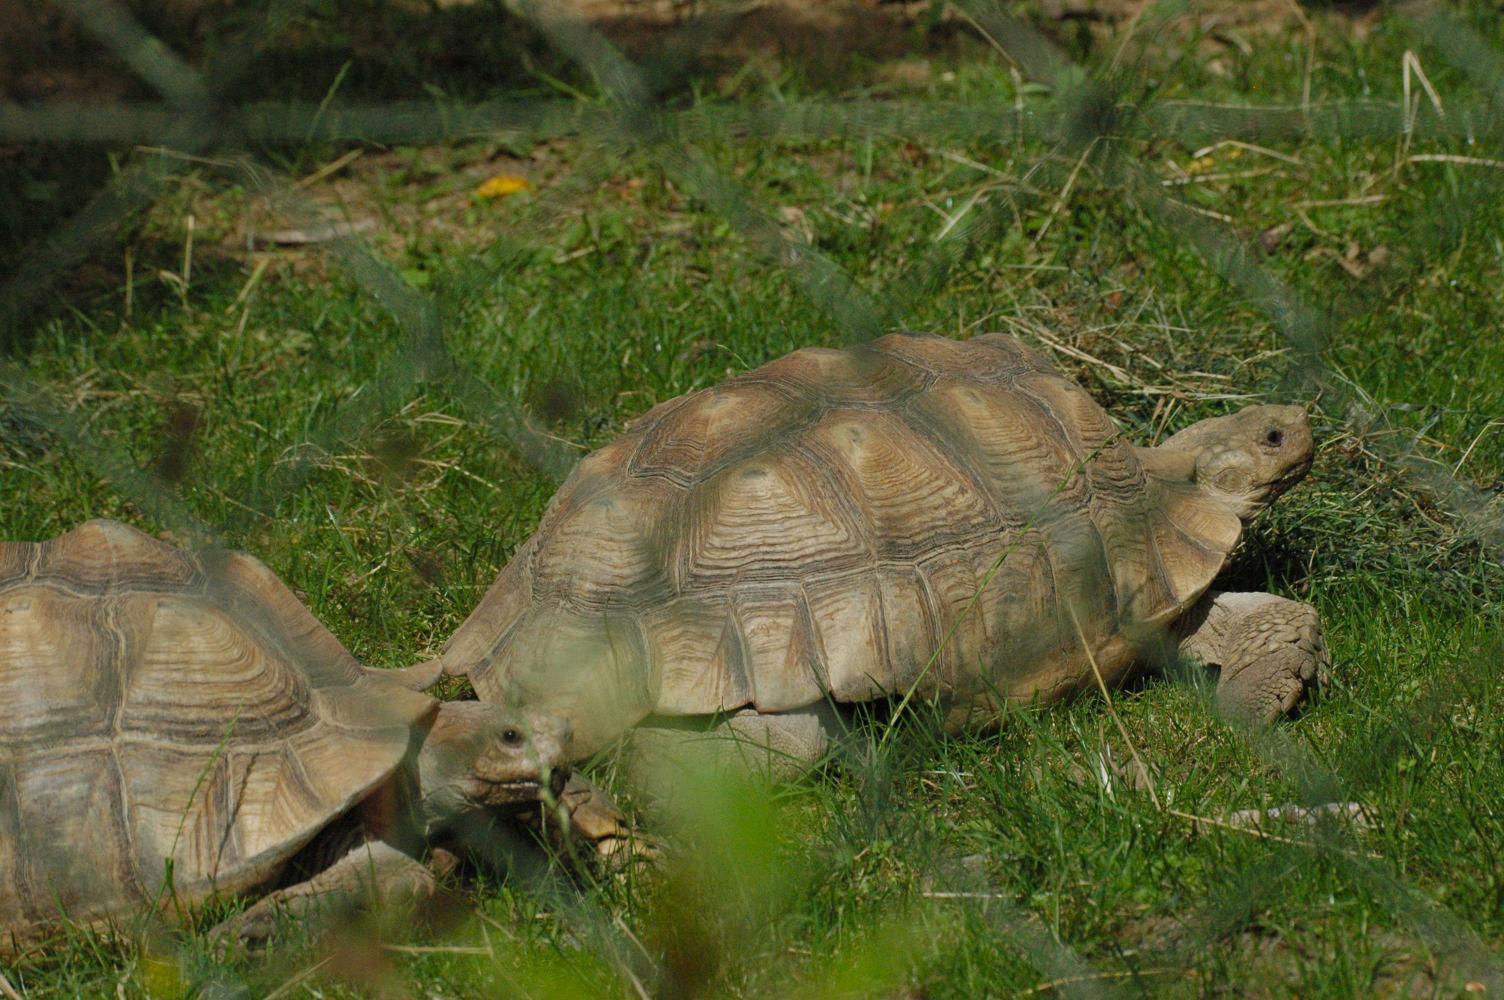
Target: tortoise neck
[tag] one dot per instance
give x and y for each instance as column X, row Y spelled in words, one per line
column 1175, row 464
column 432, row 802
column 392, row 813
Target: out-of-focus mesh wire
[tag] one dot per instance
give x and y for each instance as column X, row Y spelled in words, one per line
column 1086, row 118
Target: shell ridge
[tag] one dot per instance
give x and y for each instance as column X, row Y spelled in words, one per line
column 121, row 815
column 1203, row 546
column 715, row 428
column 939, row 629
column 855, row 516
column 808, row 636
column 1054, row 637
column 884, row 654
column 657, row 414
column 1070, row 618
column 967, row 461
column 777, row 661
column 1003, row 657
column 1079, row 461
column 1037, row 500
column 743, row 529
column 732, row 633
column 46, row 748
column 1052, row 522
column 1162, row 573
column 750, row 665
column 297, row 766
column 962, row 632
column 219, row 800
column 523, row 559
column 1128, row 574
column 19, row 879
column 959, row 460
column 885, row 476
column 615, row 552
column 29, row 560
column 231, row 841
column 113, row 684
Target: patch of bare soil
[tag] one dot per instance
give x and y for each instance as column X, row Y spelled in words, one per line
column 1269, row 962
column 812, row 33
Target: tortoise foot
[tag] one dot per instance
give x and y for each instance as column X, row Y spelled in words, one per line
column 588, row 817
column 1271, row 652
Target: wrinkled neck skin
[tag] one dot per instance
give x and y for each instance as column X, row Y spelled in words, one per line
column 390, row 813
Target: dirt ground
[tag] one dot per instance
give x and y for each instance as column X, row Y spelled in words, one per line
column 46, row 54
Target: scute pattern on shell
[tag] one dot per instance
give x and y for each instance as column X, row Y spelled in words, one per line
column 957, row 517
column 165, row 706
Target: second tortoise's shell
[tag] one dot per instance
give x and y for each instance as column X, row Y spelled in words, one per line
column 953, row 518
column 169, row 710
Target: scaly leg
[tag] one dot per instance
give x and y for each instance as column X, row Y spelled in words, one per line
column 1270, row 651
column 373, row 870
column 591, row 815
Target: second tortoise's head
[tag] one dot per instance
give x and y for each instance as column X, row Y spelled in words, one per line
column 1248, row 458
column 478, row 757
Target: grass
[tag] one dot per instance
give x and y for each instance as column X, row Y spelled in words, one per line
column 288, row 407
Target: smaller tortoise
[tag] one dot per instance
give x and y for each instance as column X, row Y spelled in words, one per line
column 954, row 520
column 180, row 727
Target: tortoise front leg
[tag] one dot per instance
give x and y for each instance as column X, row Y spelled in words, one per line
column 589, row 814
column 1270, row 651
column 371, row 871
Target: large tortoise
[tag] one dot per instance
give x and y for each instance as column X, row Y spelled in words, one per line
column 179, row 727
column 953, row 520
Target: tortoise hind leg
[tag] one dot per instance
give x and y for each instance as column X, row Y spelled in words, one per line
column 1270, row 651
column 372, row 870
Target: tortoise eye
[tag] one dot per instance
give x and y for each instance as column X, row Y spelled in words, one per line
column 511, row 737
column 1274, row 437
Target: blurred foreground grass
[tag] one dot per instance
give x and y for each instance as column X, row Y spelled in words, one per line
column 1027, row 862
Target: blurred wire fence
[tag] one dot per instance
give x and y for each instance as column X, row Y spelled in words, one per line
column 1085, row 121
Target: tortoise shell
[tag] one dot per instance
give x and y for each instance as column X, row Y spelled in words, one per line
column 174, row 726
column 953, row 518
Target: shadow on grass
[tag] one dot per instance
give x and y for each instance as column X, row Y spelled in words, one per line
column 363, row 50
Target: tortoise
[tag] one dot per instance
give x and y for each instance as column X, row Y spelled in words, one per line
column 179, row 727
column 920, row 517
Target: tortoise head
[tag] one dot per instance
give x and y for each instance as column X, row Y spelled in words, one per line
column 1248, row 458
column 478, row 757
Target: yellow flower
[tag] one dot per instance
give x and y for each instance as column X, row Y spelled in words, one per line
column 502, row 186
